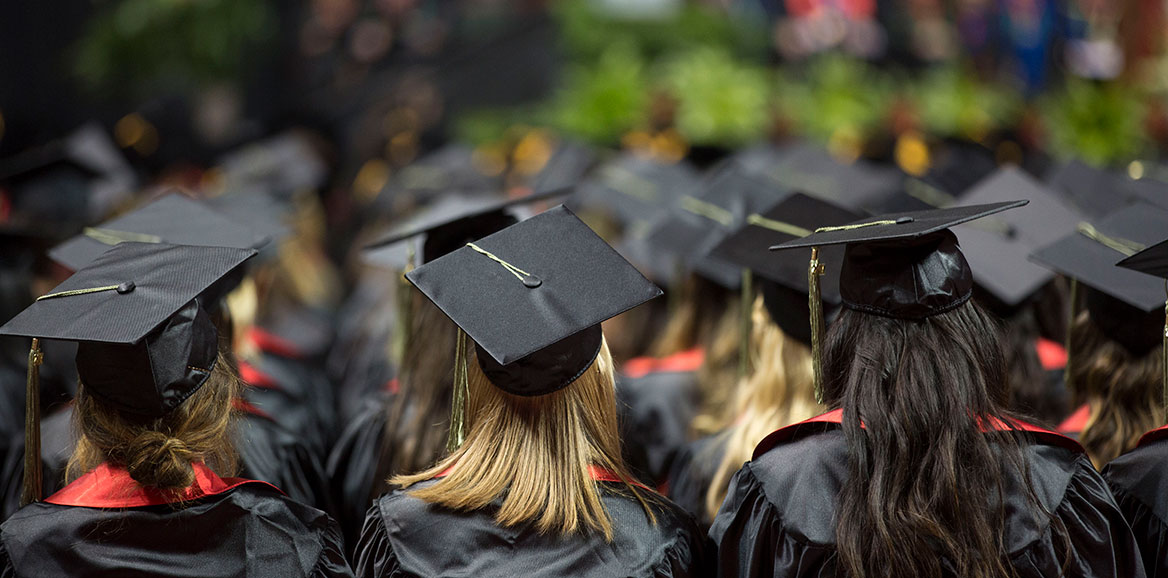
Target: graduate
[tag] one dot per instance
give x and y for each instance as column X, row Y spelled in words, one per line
column 918, row 469
column 403, row 428
column 1137, row 478
column 535, row 484
column 154, row 412
column 1114, row 362
column 777, row 388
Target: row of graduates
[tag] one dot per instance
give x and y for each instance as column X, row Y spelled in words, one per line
column 657, row 396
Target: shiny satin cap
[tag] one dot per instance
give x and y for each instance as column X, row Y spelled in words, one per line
column 174, row 218
column 448, row 224
column 532, row 298
column 997, row 247
column 1128, row 299
column 901, row 265
column 145, row 343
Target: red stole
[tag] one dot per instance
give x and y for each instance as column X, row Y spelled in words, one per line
column 835, row 417
column 1077, row 421
column 689, row 360
column 109, row 486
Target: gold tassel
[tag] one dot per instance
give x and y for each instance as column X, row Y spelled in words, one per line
column 1075, row 309
column 458, row 405
column 745, row 323
column 32, row 428
column 815, row 305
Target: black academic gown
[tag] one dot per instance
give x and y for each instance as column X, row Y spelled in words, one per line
column 693, row 473
column 1139, row 481
column 103, row 524
column 656, row 409
column 352, row 465
column 278, row 390
column 406, row 537
column 777, row 519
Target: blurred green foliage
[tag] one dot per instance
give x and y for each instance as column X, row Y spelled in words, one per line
column 601, row 100
column 1101, row 123
column 138, row 45
column 953, row 103
column 721, row 100
column 834, row 94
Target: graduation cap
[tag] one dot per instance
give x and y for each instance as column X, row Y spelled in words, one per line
column 698, row 222
column 565, row 169
column 145, row 343
column 784, row 275
column 261, row 211
column 532, row 298
column 900, row 265
column 1154, row 261
column 1096, row 193
column 1121, row 301
column 448, row 224
column 47, row 185
column 450, row 169
column 634, row 189
column 174, row 218
column 997, row 247
column 812, row 170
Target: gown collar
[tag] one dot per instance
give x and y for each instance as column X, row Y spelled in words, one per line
column 110, row 486
column 836, row 417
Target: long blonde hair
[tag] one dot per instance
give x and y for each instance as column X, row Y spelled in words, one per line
column 778, row 391
column 535, row 452
column 158, row 453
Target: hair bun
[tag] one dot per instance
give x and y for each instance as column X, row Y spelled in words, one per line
column 157, row 460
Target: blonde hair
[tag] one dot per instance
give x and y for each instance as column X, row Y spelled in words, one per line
column 535, row 452
column 779, row 391
column 158, row 453
column 1122, row 391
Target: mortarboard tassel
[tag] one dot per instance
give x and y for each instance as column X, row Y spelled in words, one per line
column 815, row 304
column 32, row 428
column 746, row 323
column 405, row 312
column 458, row 404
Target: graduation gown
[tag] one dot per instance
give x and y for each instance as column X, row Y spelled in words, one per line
column 275, row 388
column 693, row 473
column 778, row 518
column 406, row 537
column 1139, row 481
column 104, row 524
column 352, row 465
column 657, row 400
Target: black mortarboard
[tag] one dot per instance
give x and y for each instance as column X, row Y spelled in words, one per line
column 635, row 189
column 1121, row 299
column 997, row 247
column 532, row 298
column 565, row 169
column 812, row 170
column 145, row 343
column 174, row 218
column 903, row 265
column 784, row 275
column 700, row 221
column 450, row 169
column 448, row 224
column 1094, row 192
column 259, row 210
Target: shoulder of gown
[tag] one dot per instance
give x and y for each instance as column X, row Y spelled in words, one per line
column 353, row 464
column 250, row 530
column 1139, row 482
column 398, row 540
column 656, row 410
column 778, row 515
column 692, row 473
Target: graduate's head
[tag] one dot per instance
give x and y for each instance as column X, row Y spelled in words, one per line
column 540, row 406
column 917, row 369
column 154, row 393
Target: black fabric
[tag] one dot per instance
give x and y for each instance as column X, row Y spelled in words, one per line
column 548, row 370
column 353, row 464
column 174, row 218
column 906, row 279
column 791, row 309
column 655, row 411
column 692, row 475
column 401, row 539
column 777, row 519
column 1139, row 481
column 153, row 376
column 248, row 531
